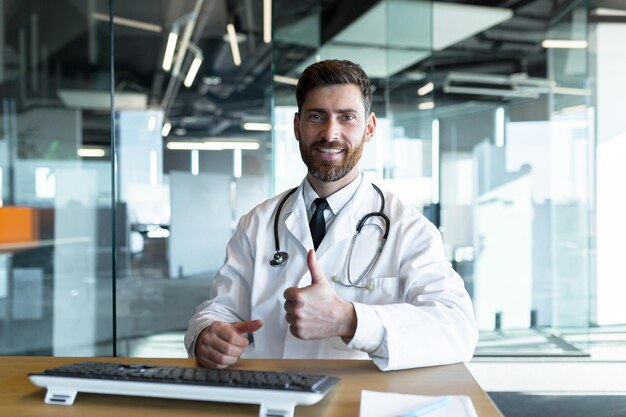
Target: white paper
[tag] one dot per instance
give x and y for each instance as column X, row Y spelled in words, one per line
column 389, row 404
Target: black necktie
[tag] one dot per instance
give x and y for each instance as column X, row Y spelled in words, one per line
column 318, row 224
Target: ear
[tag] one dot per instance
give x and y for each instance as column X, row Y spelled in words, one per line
column 296, row 126
column 370, row 128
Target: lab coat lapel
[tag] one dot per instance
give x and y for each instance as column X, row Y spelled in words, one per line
column 296, row 219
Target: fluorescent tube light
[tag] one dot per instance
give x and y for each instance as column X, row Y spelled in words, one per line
column 573, row 109
column 195, row 162
column 267, row 21
column 604, row 11
column 427, row 105
column 234, row 46
column 285, row 80
column 211, row 146
column 91, row 153
column 168, row 57
column 165, row 130
column 259, row 127
column 571, row 91
column 131, row 23
column 193, row 70
column 567, row 44
column 435, row 162
column 425, row 89
column 152, row 123
column 237, row 163
column 499, row 139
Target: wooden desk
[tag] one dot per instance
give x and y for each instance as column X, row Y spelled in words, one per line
column 19, row 398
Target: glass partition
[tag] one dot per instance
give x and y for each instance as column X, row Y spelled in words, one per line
column 517, row 160
column 55, row 166
column 389, row 39
column 193, row 156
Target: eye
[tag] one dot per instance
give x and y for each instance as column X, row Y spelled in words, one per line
column 349, row 117
column 315, row 117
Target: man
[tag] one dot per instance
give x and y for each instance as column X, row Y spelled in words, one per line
column 402, row 306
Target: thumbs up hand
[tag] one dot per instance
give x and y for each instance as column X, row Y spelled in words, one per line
column 315, row 311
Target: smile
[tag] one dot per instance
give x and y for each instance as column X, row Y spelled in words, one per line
column 329, row 151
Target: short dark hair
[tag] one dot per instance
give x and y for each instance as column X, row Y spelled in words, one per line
column 333, row 72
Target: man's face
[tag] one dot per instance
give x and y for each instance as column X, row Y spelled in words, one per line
column 332, row 129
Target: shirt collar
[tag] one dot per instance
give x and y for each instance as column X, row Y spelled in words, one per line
column 336, row 201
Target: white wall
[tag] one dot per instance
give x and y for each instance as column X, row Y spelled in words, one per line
column 609, row 62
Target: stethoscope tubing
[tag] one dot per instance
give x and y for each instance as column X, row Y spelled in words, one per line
column 280, row 258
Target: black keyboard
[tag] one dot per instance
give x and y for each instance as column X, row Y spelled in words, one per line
column 276, row 392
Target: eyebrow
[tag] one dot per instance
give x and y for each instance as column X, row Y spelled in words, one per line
column 319, row 110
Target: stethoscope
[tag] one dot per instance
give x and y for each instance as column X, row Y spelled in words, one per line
column 280, row 258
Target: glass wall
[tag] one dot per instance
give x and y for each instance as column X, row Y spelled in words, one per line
column 192, row 160
column 517, row 160
column 389, row 40
column 486, row 123
column 55, row 163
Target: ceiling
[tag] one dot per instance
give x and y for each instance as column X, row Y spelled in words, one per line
column 499, row 37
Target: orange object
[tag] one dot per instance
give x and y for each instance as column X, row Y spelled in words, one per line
column 18, row 225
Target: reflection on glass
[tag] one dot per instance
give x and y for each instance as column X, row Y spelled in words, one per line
column 55, row 216
column 516, row 137
column 191, row 159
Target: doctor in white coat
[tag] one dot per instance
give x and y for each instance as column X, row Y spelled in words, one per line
column 408, row 309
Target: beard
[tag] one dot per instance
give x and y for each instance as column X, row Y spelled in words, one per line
column 329, row 171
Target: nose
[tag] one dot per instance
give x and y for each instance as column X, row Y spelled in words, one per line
column 332, row 129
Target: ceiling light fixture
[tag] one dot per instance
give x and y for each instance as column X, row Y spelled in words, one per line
column 131, row 23
column 425, row 89
column 195, row 65
column 212, row 146
column 500, row 127
column 188, row 20
column 165, row 130
column 152, row 123
column 237, row 165
column 282, row 79
column 563, row 44
column 571, row 91
column 267, row 21
column 234, row 46
column 435, row 161
column 90, row 152
column 195, row 162
column 212, row 80
column 426, row 105
column 514, row 85
column 168, row 56
column 259, row 127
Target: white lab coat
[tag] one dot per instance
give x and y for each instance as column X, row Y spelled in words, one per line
column 418, row 302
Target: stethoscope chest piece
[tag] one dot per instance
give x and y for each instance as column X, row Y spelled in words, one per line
column 280, row 258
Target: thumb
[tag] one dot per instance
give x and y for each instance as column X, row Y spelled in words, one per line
column 317, row 275
column 248, row 326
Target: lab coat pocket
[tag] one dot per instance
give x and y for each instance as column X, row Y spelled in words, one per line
column 382, row 290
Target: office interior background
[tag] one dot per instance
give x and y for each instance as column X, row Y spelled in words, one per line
column 500, row 120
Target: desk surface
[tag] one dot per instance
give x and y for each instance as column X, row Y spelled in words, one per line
column 19, row 398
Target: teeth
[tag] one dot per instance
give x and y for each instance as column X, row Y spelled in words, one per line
column 329, row 150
